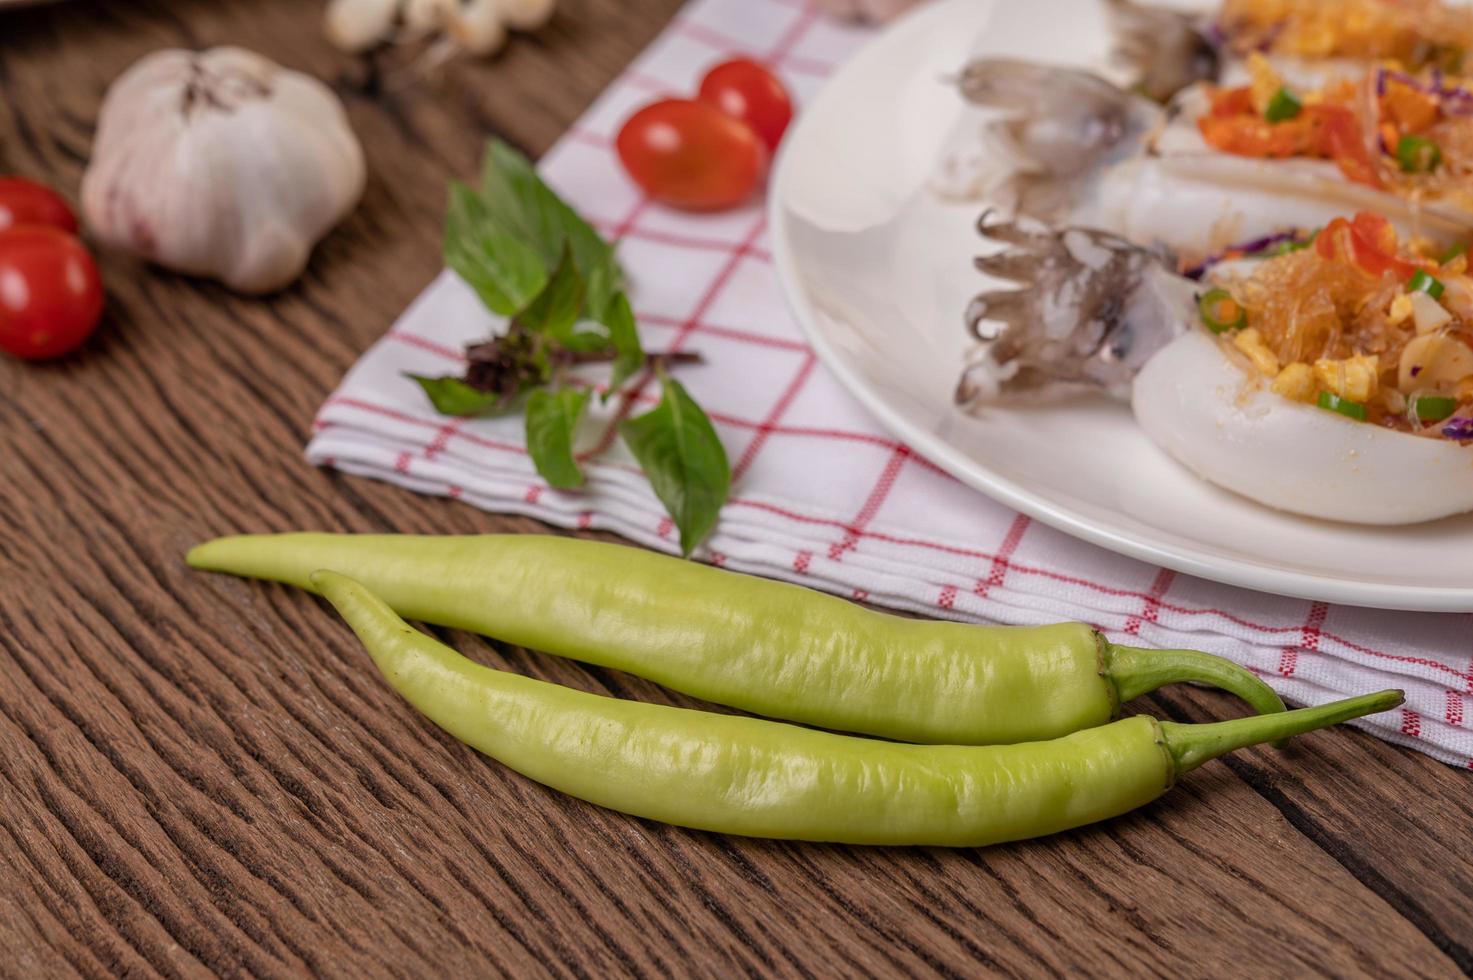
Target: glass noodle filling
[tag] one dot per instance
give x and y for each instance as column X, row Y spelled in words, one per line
column 1361, row 324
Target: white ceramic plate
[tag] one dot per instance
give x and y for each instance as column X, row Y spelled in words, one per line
column 878, row 272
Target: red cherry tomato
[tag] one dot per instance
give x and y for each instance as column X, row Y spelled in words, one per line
column 746, row 90
column 50, row 293
column 691, row 155
column 25, row 202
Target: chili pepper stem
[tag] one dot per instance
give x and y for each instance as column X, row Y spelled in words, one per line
column 1135, row 671
column 1192, row 745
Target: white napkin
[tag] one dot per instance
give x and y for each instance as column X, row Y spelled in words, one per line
column 822, row 494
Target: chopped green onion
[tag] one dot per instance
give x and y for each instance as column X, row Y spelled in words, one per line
column 1350, row 409
column 1459, row 249
column 1284, row 105
column 1291, row 245
column 1428, row 284
column 1432, row 408
column 1418, row 155
column 1220, row 312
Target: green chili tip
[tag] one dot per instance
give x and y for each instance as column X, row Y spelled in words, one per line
column 1135, row 671
column 1192, row 745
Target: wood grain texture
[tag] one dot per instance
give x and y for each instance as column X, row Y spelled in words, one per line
column 203, row 776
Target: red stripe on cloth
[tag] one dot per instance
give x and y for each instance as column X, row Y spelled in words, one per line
column 947, row 598
column 1454, row 713
column 860, row 595
column 766, row 427
column 872, row 504
column 801, row 560
column 584, row 520
column 730, row 333
column 401, row 465
column 588, row 137
column 393, row 413
column 443, row 437
column 1411, row 723
column 455, row 492
column 1000, row 560
column 662, row 237
column 649, row 83
column 665, row 526
column 631, row 219
column 1309, row 638
column 1151, row 608
column 790, row 38
column 534, row 494
column 780, row 54
column 424, row 343
column 699, row 310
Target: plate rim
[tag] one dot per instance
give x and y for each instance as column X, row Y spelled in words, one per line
column 1233, row 572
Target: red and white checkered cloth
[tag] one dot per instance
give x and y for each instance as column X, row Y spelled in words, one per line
column 822, row 495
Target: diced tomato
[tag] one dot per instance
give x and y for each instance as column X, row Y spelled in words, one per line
column 1253, row 136
column 1343, row 141
column 1368, row 242
column 1232, row 101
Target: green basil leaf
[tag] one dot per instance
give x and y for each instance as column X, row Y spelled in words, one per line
column 552, row 420
column 452, row 396
column 557, row 309
column 519, row 203
column 493, row 261
column 628, row 354
column 678, row 449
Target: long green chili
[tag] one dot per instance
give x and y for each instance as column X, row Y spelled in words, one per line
column 759, row 778
column 765, row 647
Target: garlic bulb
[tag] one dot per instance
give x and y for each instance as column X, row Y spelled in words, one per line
column 221, row 164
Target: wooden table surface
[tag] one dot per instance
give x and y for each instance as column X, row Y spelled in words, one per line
column 200, row 775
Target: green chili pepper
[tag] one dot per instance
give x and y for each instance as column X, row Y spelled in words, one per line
column 740, row 775
column 1432, row 408
column 1283, row 105
column 1418, row 155
column 766, row 647
column 1422, row 282
column 1344, row 406
column 1221, row 312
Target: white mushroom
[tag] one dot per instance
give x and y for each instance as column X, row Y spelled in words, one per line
column 478, row 26
column 357, row 25
column 221, row 164
column 526, row 15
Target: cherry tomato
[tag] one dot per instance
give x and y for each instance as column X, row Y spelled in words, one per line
column 691, row 155
column 25, row 202
column 50, row 293
column 746, row 90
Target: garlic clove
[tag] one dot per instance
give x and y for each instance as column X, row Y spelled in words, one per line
column 1434, row 361
column 357, row 25
column 221, row 164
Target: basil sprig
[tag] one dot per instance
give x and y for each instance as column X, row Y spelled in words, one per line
column 531, row 258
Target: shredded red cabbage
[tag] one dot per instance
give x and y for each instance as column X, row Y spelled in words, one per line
column 1249, row 249
column 1457, row 101
column 1460, row 428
